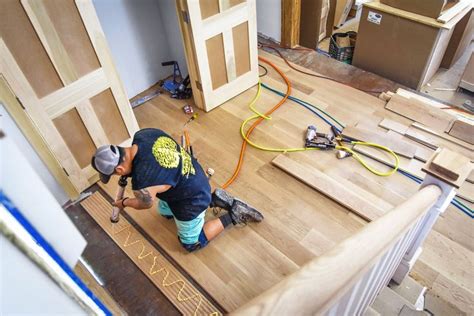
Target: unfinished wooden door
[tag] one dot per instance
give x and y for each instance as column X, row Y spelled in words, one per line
column 220, row 39
column 54, row 58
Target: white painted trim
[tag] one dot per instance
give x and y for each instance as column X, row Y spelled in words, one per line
column 64, row 99
column 23, row 90
column 222, row 23
column 37, row 254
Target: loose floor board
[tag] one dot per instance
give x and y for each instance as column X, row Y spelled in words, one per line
column 419, row 112
column 158, row 269
column 463, row 130
column 399, row 146
column 334, row 189
column 445, row 136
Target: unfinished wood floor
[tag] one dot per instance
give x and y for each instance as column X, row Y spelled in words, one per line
column 299, row 222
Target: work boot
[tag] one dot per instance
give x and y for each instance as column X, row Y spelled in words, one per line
column 222, row 199
column 242, row 213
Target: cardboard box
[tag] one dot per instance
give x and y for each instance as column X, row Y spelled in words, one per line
column 397, row 47
column 430, row 8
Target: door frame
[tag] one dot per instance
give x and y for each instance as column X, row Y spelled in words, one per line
column 13, row 106
column 35, row 120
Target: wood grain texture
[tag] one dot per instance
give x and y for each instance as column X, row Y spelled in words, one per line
column 190, row 53
column 342, row 10
column 21, row 39
column 19, row 84
column 64, row 99
column 467, row 80
column 48, row 33
column 50, row 40
column 463, row 130
column 54, row 35
column 28, row 128
column 399, row 146
column 99, row 43
column 435, row 103
column 332, row 188
column 162, row 273
column 419, row 112
column 290, row 22
column 452, row 262
column 81, row 271
column 412, row 16
column 72, row 34
column 211, row 55
column 394, row 126
column 300, row 222
column 76, row 136
column 109, row 117
column 445, row 136
column 449, row 166
column 240, row 35
column 455, row 10
column 290, row 297
column 217, row 69
column 208, row 8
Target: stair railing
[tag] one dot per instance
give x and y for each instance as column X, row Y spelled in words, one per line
column 347, row 279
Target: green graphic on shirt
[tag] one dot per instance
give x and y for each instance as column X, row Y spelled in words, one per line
column 165, row 152
column 188, row 167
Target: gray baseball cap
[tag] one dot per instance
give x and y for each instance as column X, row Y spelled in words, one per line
column 105, row 160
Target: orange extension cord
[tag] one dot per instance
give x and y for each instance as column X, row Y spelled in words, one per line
column 258, row 121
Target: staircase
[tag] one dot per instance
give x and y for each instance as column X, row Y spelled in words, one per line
column 409, row 299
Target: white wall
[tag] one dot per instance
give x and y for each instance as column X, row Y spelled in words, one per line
column 173, row 33
column 24, row 287
column 136, row 35
column 143, row 33
column 10, row 128
column 269, row 18
column 26, row 290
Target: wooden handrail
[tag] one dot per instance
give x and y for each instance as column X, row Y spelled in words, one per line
column 320, row 283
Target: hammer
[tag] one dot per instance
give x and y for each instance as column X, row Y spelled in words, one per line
column 115, row 217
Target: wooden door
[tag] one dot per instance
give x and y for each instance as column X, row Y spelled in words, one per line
column 56, row 62
column 220, row 39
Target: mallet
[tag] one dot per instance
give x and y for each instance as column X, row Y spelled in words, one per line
column 115, row 217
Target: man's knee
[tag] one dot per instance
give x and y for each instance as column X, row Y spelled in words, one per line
column 201, row 243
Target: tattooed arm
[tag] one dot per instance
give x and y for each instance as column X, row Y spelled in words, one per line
column 143, row 198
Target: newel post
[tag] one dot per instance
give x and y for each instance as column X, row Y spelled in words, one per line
column 447, row 170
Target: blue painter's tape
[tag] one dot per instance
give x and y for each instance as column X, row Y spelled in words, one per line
column 49, row 250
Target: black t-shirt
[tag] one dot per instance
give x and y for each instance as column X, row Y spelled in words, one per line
column 160, row 160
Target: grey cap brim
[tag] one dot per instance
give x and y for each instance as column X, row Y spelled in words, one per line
column 104, row 178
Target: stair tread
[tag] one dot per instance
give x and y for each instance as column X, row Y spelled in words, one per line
column 390, row 303
column 411, row 290
column 407, row 311
column 371, row 312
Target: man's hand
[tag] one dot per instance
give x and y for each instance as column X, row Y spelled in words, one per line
column 119, row 203
column 143, row 198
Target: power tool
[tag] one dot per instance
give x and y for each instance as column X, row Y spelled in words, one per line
column 314, row 139
column 177, row 89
